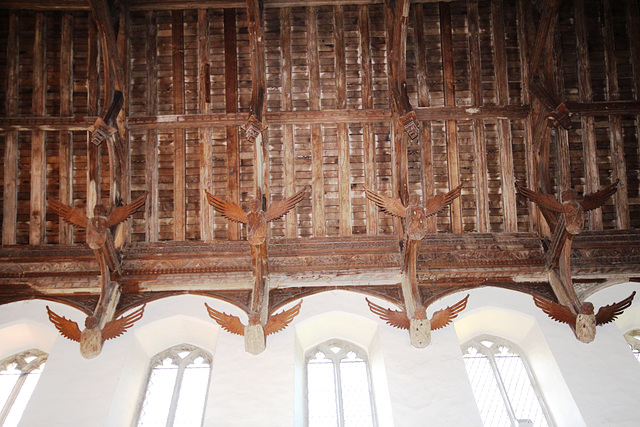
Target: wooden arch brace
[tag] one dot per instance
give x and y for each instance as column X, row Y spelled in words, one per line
column 397, row 13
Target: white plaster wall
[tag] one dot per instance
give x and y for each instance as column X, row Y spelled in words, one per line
column 584, row 384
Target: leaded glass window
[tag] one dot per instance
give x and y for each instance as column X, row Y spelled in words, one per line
column 503, row 385
column 177, row 388
column 633, row 338
column 19, row 375
column 339, row 389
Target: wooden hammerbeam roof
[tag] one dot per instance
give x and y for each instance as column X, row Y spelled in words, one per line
column 403, row 97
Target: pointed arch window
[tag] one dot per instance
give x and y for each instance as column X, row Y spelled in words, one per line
column 633, row 338
column 19, row 375
column 503, row 384
column 177, row 386
column 339, row 391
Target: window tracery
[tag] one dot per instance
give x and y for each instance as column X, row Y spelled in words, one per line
column 339, row 388
column 503, row 384
column 19, row 375
column 177, row 386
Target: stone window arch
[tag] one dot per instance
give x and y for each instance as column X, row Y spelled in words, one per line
column 19, row 375
column 177, row 387
column 338, row 385
column 633, row 338
column 503, row 384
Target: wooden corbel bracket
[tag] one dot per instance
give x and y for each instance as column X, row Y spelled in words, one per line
column 105, row 127
column 255, row 219
column 100, row 326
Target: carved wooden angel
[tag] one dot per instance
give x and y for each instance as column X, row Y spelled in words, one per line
column 255, row 218
column 92, row 337
column 415, row 213
column 584, row 323
column 276, row 323
column 572, row 210
column 399, row 319
column 98, row 225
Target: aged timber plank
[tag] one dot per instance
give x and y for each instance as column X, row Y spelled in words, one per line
column 317, row 181
column 615, row 123
column 231, row 102
column 291, row 223
column 479, row 144
column 38, row 152
column 10, row 195
column 592, row 178
column 343, row 132
column 66, row 140
column 179, row 143
column 368, row 142
column 428, row 188
column 504, row 130
column 151, row 157
column 450, row 125
column 204, row 133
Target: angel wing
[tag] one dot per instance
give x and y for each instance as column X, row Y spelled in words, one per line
column 546, row 201
column 608, row 313
column 394, row 318
column 229, row 210
column 557, row 312
column 278, row 209
column 119, row 326
column 70, row 214
column 228, row 322
column 442, row 318
column 391, row 206
column 438, row 203
column 67, row 328
column 123, row 212
column 281, row 320
column 597, row 199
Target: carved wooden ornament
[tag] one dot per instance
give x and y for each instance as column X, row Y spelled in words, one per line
column 256, row 219
column 415, row 214
column 276, row 323
column 584, row 323
column 92, row 337
column 572, row 210
column 399, row 319
column 96, row 226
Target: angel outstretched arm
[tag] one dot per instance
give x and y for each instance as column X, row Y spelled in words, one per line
column 67, row 328
column 278, row 209
column 281, row 320
column 123, row 212
column 229, row 210
column 228, row 322
column 394, row 318
column 610, row 312
column 597, row 199
column 438, row 203
column 119, row 326
column 70, row 214
column 546, row 201
column 391, row 206
column 557, row 312
column 442, row 318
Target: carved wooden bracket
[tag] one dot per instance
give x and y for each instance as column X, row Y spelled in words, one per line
column 99, row 239
column 256, row 220
column 579, row 315
column 558, row 113
column 415, row 229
